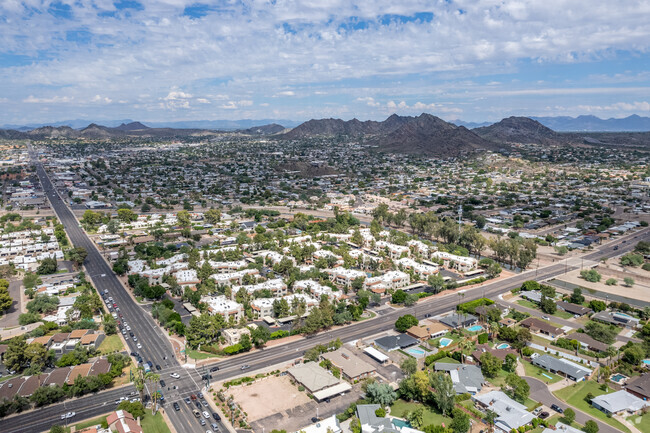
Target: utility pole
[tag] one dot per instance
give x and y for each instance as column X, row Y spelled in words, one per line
column 460, row 217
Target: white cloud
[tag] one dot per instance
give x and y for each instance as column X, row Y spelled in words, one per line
column 286, row 93
column 31, row 99
column 202, row 101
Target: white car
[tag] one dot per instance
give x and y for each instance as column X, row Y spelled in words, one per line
column 139, row 346
column 206, row 415
column 128, row 328
column 175, row 375
column 70, row 414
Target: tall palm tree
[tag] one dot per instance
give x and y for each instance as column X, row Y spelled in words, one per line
column 465, row 345
column 152, row 378
column 494, row 329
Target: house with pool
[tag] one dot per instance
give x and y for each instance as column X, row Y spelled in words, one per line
column 563, row 367
column 510, row 414
column 395, row 342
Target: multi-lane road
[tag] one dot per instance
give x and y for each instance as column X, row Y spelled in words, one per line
column 156, row 347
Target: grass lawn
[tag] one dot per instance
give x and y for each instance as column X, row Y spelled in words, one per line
column 575, row 396
column 154, row 424
column 447, row 360
column 88, row 423
column 563, row 314
column 500, row 379
column 528, row 304
column 642, row 422
column 400, row 408
column 434, row 342
column 195, row 354
column 540, row 373
column 111, row 344
column 553, row 421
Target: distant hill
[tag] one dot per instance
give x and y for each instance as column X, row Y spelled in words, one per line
column 521, row 130
column 431, row 136
column 633, row 123
column 132, row 126
column 350, row 128
column 273, row 128
column 470, row 125
column 425, row 134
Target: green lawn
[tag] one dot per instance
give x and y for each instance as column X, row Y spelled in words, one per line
column 400, row 408
column 111, row 343
column 575, row 396
column 528, row 304
column 563, row 314
column 540, row 373
column 448, row 360
column 642, row 422
column 195, row 354
column 553, row 421
column 154, row 424
column 85, row 424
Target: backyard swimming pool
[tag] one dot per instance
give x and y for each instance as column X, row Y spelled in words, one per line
column 647, row 362
column 418, row 353
column 398, row 423
column 503, row 346
column 475, row 328
column 618, row 378
column 444, row 342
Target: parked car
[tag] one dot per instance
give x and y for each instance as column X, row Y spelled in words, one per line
column 216, row 416
column 187, row 400
column 175, row 375
column 543, row 415
column 557, row 408
column 200, row 395
column 206, row 415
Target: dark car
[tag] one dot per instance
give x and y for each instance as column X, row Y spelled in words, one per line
column 187, row 400
column 158, row 367
column 213, row 369
column 216, row 416
column 162, row 383
column 543, row 415
column 176, row 406
column 198, row 404
column 557, row 408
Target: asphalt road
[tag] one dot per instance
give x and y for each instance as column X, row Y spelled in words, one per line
column 156, row 347
column 10, row 317
column 539, row 392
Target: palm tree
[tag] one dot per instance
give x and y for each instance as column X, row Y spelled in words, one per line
column 465, row 345
column 494, row 329
column 152, row 378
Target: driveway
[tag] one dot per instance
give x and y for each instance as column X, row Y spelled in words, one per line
column 10, row 317
column 540, row 392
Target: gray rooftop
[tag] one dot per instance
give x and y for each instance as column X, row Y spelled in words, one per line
column 563, row 366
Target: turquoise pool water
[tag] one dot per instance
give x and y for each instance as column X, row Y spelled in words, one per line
column 617, row 377
column 503, row 346
column 398, row 423
column 444, row 342
column 415, row 351
column 646, row 361
column 475, row 328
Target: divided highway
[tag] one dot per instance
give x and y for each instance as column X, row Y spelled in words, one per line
column 156, row 347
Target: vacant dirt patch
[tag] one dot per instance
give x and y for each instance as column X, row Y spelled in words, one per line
column 268, row 396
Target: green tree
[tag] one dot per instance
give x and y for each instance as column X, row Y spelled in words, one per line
column 398, row 297
column 183, row 218
column 409, row 366
column 590, row 427
column 490, row 365
column 591, row 275
column 561, row 250
column 212, row 216
column 78, row 255
column 610, row 282
column 381, row 394
column 36, row 355
column 510, row 364
column 47, row 266
column 576, row 296
column 405, row 322
column 444, row 394
column 203, row 329
column 548, row 305
column 47, row 395
column 460, row 421
column 126, row 215
column 436, row 282
column 57, row 429
column 31, row 280
column 632, row 259
column 14, row 357
column 416, row 417
column 628, row 281
column 43, row 304
column 517, row 387
column 260, row 336
column 569, row 416
column 5, row 298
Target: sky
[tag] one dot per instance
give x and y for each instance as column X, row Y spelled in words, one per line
column 172, row 60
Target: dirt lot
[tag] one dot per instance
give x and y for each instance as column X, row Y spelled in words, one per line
column 260, row 399
column 640, row 290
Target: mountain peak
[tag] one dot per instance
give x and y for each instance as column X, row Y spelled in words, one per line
column 133, row 126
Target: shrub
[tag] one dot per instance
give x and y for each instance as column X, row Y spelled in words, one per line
column 610, row 282
column 381, row 412
column 483, row 338
column 590, row 275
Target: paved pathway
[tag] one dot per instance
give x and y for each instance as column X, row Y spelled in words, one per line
column 10, row 318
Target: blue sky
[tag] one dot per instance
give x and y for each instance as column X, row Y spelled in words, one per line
column 168, row 60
